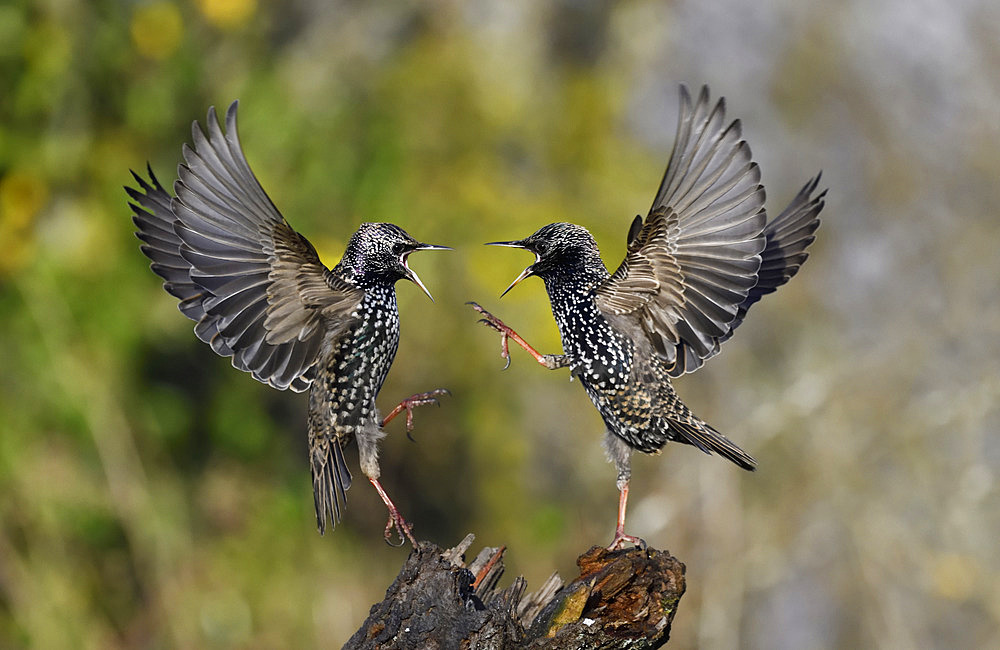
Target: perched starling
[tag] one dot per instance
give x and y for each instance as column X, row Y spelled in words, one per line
column 259, row 294
column 703, row 256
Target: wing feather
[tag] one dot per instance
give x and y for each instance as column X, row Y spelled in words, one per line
column 154, row 220
column 706, row 252
column 231, row 229
column 256, row 288
column 697, row 254
column 788, row 236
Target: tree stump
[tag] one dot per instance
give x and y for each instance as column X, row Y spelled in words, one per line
column 621, row 599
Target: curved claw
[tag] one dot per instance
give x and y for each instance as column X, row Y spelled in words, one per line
column 403, row 529
column 408, row 404
column 506, row 332
column 488, row 318
column 488, row 323
column 388, row 533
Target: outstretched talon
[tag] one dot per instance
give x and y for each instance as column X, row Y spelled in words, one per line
column 495, row 323
column 411, row 402
column 550, row 361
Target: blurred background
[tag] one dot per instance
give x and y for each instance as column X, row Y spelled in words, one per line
column 154, row 497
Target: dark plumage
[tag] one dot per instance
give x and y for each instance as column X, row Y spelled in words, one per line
column 260, row 294
column 694, row 266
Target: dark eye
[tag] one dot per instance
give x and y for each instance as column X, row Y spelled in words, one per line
column 398, row 248
column 541, row 248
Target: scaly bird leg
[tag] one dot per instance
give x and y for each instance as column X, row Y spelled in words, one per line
column 395, row 519
column 621, row 539
column 550, row 361
column 411, row 402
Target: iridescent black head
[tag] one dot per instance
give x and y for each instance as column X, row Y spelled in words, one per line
column 377, row 253
column 562, row 251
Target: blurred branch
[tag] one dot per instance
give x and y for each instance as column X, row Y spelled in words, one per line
column 621, row 599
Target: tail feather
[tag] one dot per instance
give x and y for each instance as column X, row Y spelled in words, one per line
column 704, row 437
column 331, row 480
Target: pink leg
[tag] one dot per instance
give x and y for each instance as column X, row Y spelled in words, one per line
column 408, row 404
column 488, row 319
column 395, row 519
column 621, row 539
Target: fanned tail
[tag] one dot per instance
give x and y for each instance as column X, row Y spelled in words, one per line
column 331, row 480
column 704, row 437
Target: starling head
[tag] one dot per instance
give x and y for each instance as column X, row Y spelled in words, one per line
column 562, row 250
column 377, row 253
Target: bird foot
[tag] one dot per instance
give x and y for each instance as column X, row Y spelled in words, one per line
column 413, row 401
column 495, row 323
column 402, row 528
column 621, row 540
column 395, row 519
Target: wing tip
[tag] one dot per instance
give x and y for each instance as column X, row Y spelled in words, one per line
column 212, row 115
column 145, row 185
column 231, row 114
column 685, row 99
column 703, row 94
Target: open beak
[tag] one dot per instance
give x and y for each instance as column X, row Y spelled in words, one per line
column 527, row 272
column 410, row 274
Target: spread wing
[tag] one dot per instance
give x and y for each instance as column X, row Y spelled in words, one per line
column 255, row 286
column 788, row 236
column 694, row 259
column 154, row 220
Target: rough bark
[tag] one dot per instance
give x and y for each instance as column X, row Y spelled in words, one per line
column 621, row 599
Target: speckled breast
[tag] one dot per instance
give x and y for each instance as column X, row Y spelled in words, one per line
column 601, row 356
column 362, row 360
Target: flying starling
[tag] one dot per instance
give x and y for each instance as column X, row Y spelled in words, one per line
column 260, row 294
column 701, row 258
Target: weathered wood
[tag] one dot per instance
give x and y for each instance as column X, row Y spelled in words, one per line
column 621, row 599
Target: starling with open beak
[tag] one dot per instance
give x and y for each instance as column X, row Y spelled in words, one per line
column 704, row 254
column 260, row 294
